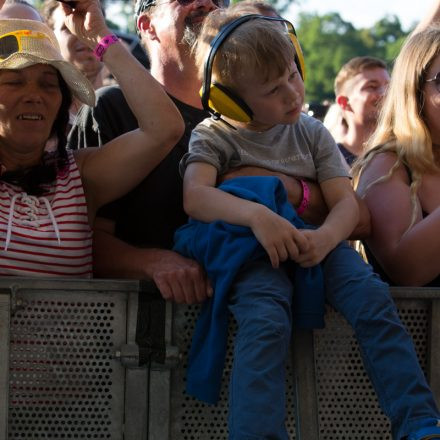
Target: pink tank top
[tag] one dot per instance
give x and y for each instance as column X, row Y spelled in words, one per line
column 46, row 235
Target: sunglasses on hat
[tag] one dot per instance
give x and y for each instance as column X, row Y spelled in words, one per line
column 11, row 42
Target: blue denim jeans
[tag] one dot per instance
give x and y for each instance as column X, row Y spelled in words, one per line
column 260, row 301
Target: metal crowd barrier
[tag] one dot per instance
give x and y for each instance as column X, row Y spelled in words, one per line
column 105, row 359
column 70, row 358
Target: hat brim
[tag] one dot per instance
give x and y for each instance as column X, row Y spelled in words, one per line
column 78, row 84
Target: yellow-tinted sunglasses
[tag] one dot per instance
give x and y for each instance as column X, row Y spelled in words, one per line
column 12, row 42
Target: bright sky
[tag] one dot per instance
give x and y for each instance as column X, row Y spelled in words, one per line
column 364, row 13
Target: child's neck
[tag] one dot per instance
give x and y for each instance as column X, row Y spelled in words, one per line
column 252, row 125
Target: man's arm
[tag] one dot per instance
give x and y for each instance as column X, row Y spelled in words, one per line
column 179, row 279
column 316, row 211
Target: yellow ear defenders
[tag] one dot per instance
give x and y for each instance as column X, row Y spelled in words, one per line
column 218, row 99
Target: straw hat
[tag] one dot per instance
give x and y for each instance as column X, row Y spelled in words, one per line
column 32, row 42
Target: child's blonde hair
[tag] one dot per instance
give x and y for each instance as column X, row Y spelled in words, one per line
column 257, row 47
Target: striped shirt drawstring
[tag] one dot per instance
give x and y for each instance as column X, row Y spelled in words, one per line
column 46, row 235
column 32, row 202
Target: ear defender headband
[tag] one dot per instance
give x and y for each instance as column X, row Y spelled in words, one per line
column 218, row 99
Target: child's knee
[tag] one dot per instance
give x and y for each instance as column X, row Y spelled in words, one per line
column 271, row 332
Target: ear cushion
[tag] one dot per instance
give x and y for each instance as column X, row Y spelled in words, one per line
column 218, row 99
column 224, row 101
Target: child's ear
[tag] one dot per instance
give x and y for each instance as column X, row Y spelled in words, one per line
column 342, row 101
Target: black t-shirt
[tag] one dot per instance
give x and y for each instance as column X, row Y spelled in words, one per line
column 149, row 214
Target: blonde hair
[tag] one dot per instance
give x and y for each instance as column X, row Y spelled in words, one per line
column 353, row 67
column 255, row 47
column 401, row 127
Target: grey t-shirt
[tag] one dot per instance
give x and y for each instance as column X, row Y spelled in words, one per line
column 304, row 149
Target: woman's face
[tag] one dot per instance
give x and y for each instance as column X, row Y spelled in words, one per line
column 30, row 99
column 431, row 108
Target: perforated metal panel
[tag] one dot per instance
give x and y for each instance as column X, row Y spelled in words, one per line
column 64, row 380
column 193, row 420
column 347, row 403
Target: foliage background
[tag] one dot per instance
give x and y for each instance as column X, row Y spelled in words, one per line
column 327, row 41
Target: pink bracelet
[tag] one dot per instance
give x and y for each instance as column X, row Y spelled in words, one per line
column 305, row 199
column 103, row 45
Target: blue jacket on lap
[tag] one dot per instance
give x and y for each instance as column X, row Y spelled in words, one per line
column 222, row 248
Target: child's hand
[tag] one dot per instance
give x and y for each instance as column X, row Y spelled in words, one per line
column 320, row 243
column 279, row 237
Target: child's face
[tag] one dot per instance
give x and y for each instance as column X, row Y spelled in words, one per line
column 277, row 101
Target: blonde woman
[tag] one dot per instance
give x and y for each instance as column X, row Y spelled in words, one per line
column 399, row 174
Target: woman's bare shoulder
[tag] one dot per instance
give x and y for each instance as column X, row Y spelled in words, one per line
column 381, row 165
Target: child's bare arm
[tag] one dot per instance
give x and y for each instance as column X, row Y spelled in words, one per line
column 204, row 202
column 339, row 224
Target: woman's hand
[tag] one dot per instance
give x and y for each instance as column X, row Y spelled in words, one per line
column 86, row 21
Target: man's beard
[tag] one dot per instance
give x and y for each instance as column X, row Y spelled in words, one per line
column 193, row 26
column 190, row 34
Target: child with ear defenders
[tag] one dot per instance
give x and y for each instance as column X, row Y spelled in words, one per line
column 263, row 261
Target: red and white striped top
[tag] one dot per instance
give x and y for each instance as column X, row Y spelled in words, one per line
column 46, row 235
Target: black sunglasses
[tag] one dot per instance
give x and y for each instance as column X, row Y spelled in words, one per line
column 435, row 80
column 145, row 4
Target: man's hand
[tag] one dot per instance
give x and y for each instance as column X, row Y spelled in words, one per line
column 178, row 278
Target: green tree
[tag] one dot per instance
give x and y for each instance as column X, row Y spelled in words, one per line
column 328, row 42
column 384, row 37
